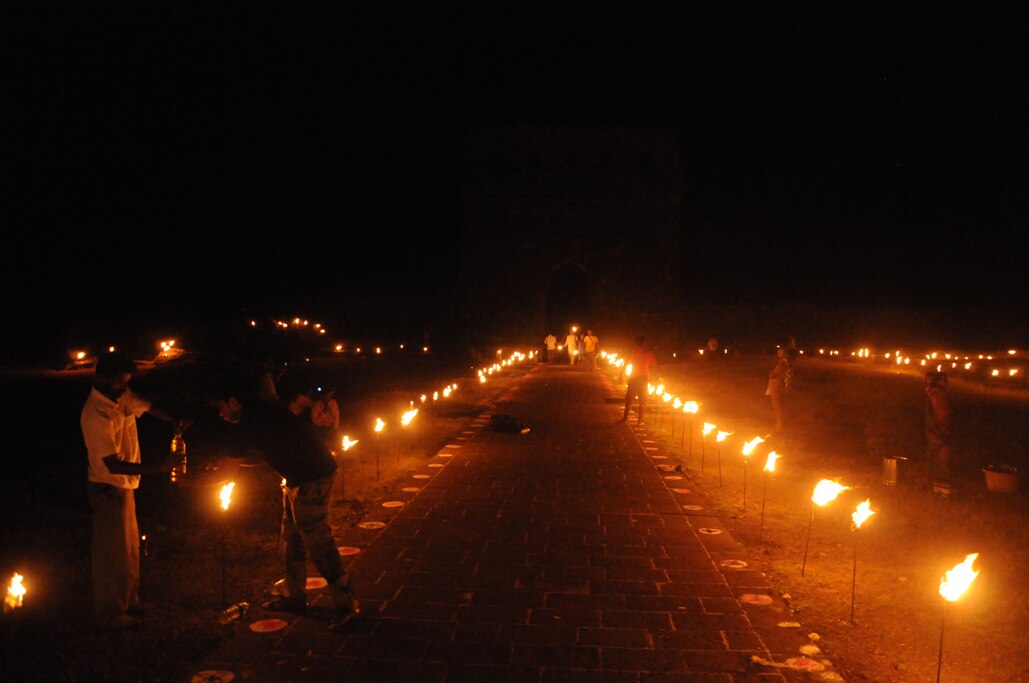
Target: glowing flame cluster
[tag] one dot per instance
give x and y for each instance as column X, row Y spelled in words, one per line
column 406, row 418
column 957, row 580
column 226, row 495
column 770, row 461
column 826, row 491
column 749, row 446
column 863, row 512
column 15, row 593
column 347, row 443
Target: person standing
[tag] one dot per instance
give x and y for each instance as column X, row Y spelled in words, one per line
column 551, row 343
column 108, row 422
column 638, row 366
column 938, row 430
column 571, row 343
column 299, row 456
column 590, row 343
column 779, row 379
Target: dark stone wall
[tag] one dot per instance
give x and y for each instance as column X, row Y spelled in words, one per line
column 545, row 207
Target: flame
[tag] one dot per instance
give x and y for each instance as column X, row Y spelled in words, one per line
column 347, row 443
column 660, row 389
column 446, row 392
column 863, row 512
column 15, row 593
column 379, row 424
column 691, row 407
column 226, row 494
column 826, row 492
column 708, row 428
column 770, row 461
column 628, row 370
column 958, row 579
column 749, row 446
column 408, row 416
column 677, row 403
column 667, row 397
column 721, row 436
column 80, row 355
column 650, row 388
column 435, row 396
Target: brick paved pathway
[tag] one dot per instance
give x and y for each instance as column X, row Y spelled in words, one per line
column 564, row 554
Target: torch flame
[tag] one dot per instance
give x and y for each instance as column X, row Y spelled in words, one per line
column 691, row 407
column 749, row 446
column 650, row 388
column 15, row 593
column 667, row 397
column 226, row 494
column 826, row 492
column 677, row 403
column 770, row 461
column 628, row 370
column 958, row 579
column 863, row 512
column 408, row 416
column 347, row 443
column 708, row 428
column 379, row 424
column 660, row 389
column 721, row 436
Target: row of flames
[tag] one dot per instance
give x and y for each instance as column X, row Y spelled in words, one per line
column 953, row 584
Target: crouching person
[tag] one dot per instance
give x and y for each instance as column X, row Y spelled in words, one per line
column 292, row 449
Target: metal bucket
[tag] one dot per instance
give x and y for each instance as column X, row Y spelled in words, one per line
column 891, row 470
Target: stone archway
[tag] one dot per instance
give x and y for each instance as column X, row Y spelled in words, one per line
column 568, row 300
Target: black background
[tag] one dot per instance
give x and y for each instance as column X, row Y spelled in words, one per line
column 170, row 163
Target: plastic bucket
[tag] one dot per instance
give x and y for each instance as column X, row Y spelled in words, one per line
column 1002, row 482
column 892, row 470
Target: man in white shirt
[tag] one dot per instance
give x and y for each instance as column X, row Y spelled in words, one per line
column 551, row 344
column 590, row 343
column 572, row 344
column 108, row 423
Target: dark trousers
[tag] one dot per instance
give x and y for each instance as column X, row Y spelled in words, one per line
column 115, row 550
column 307, row 531
column 636, row 388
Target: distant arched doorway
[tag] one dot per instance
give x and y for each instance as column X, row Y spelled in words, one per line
column 568, row 299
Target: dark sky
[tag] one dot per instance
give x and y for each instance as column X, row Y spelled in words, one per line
column 194, row 162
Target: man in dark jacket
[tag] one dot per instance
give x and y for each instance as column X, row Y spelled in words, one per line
column 293, row 450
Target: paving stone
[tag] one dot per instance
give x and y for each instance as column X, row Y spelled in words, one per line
column 560, row 556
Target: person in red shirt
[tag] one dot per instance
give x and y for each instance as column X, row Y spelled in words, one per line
column 642, row 362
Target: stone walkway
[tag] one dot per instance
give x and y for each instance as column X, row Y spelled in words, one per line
column 572, row 553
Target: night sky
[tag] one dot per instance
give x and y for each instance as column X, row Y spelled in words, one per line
column 165, row 164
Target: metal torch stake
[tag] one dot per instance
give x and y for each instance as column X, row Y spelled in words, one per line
column 377, row 450
column 853, row 578
column 718, row 450
column 703, row 450
column 746, row 466
column 282, row 525
column 808, row 539
column 222, row 562
column 764, row 497
column 342, row 479
column 939, row 658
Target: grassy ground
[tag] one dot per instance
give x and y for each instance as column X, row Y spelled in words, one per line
column 844, row 418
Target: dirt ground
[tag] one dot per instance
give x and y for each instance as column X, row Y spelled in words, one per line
column 45, row 530
column 843, row 418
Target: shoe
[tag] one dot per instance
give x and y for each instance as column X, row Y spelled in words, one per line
column 341, row 619
column 288, row 605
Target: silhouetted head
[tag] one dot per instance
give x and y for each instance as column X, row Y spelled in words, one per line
column 113, row 372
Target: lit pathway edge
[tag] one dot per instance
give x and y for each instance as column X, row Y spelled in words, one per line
column 550, row 556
